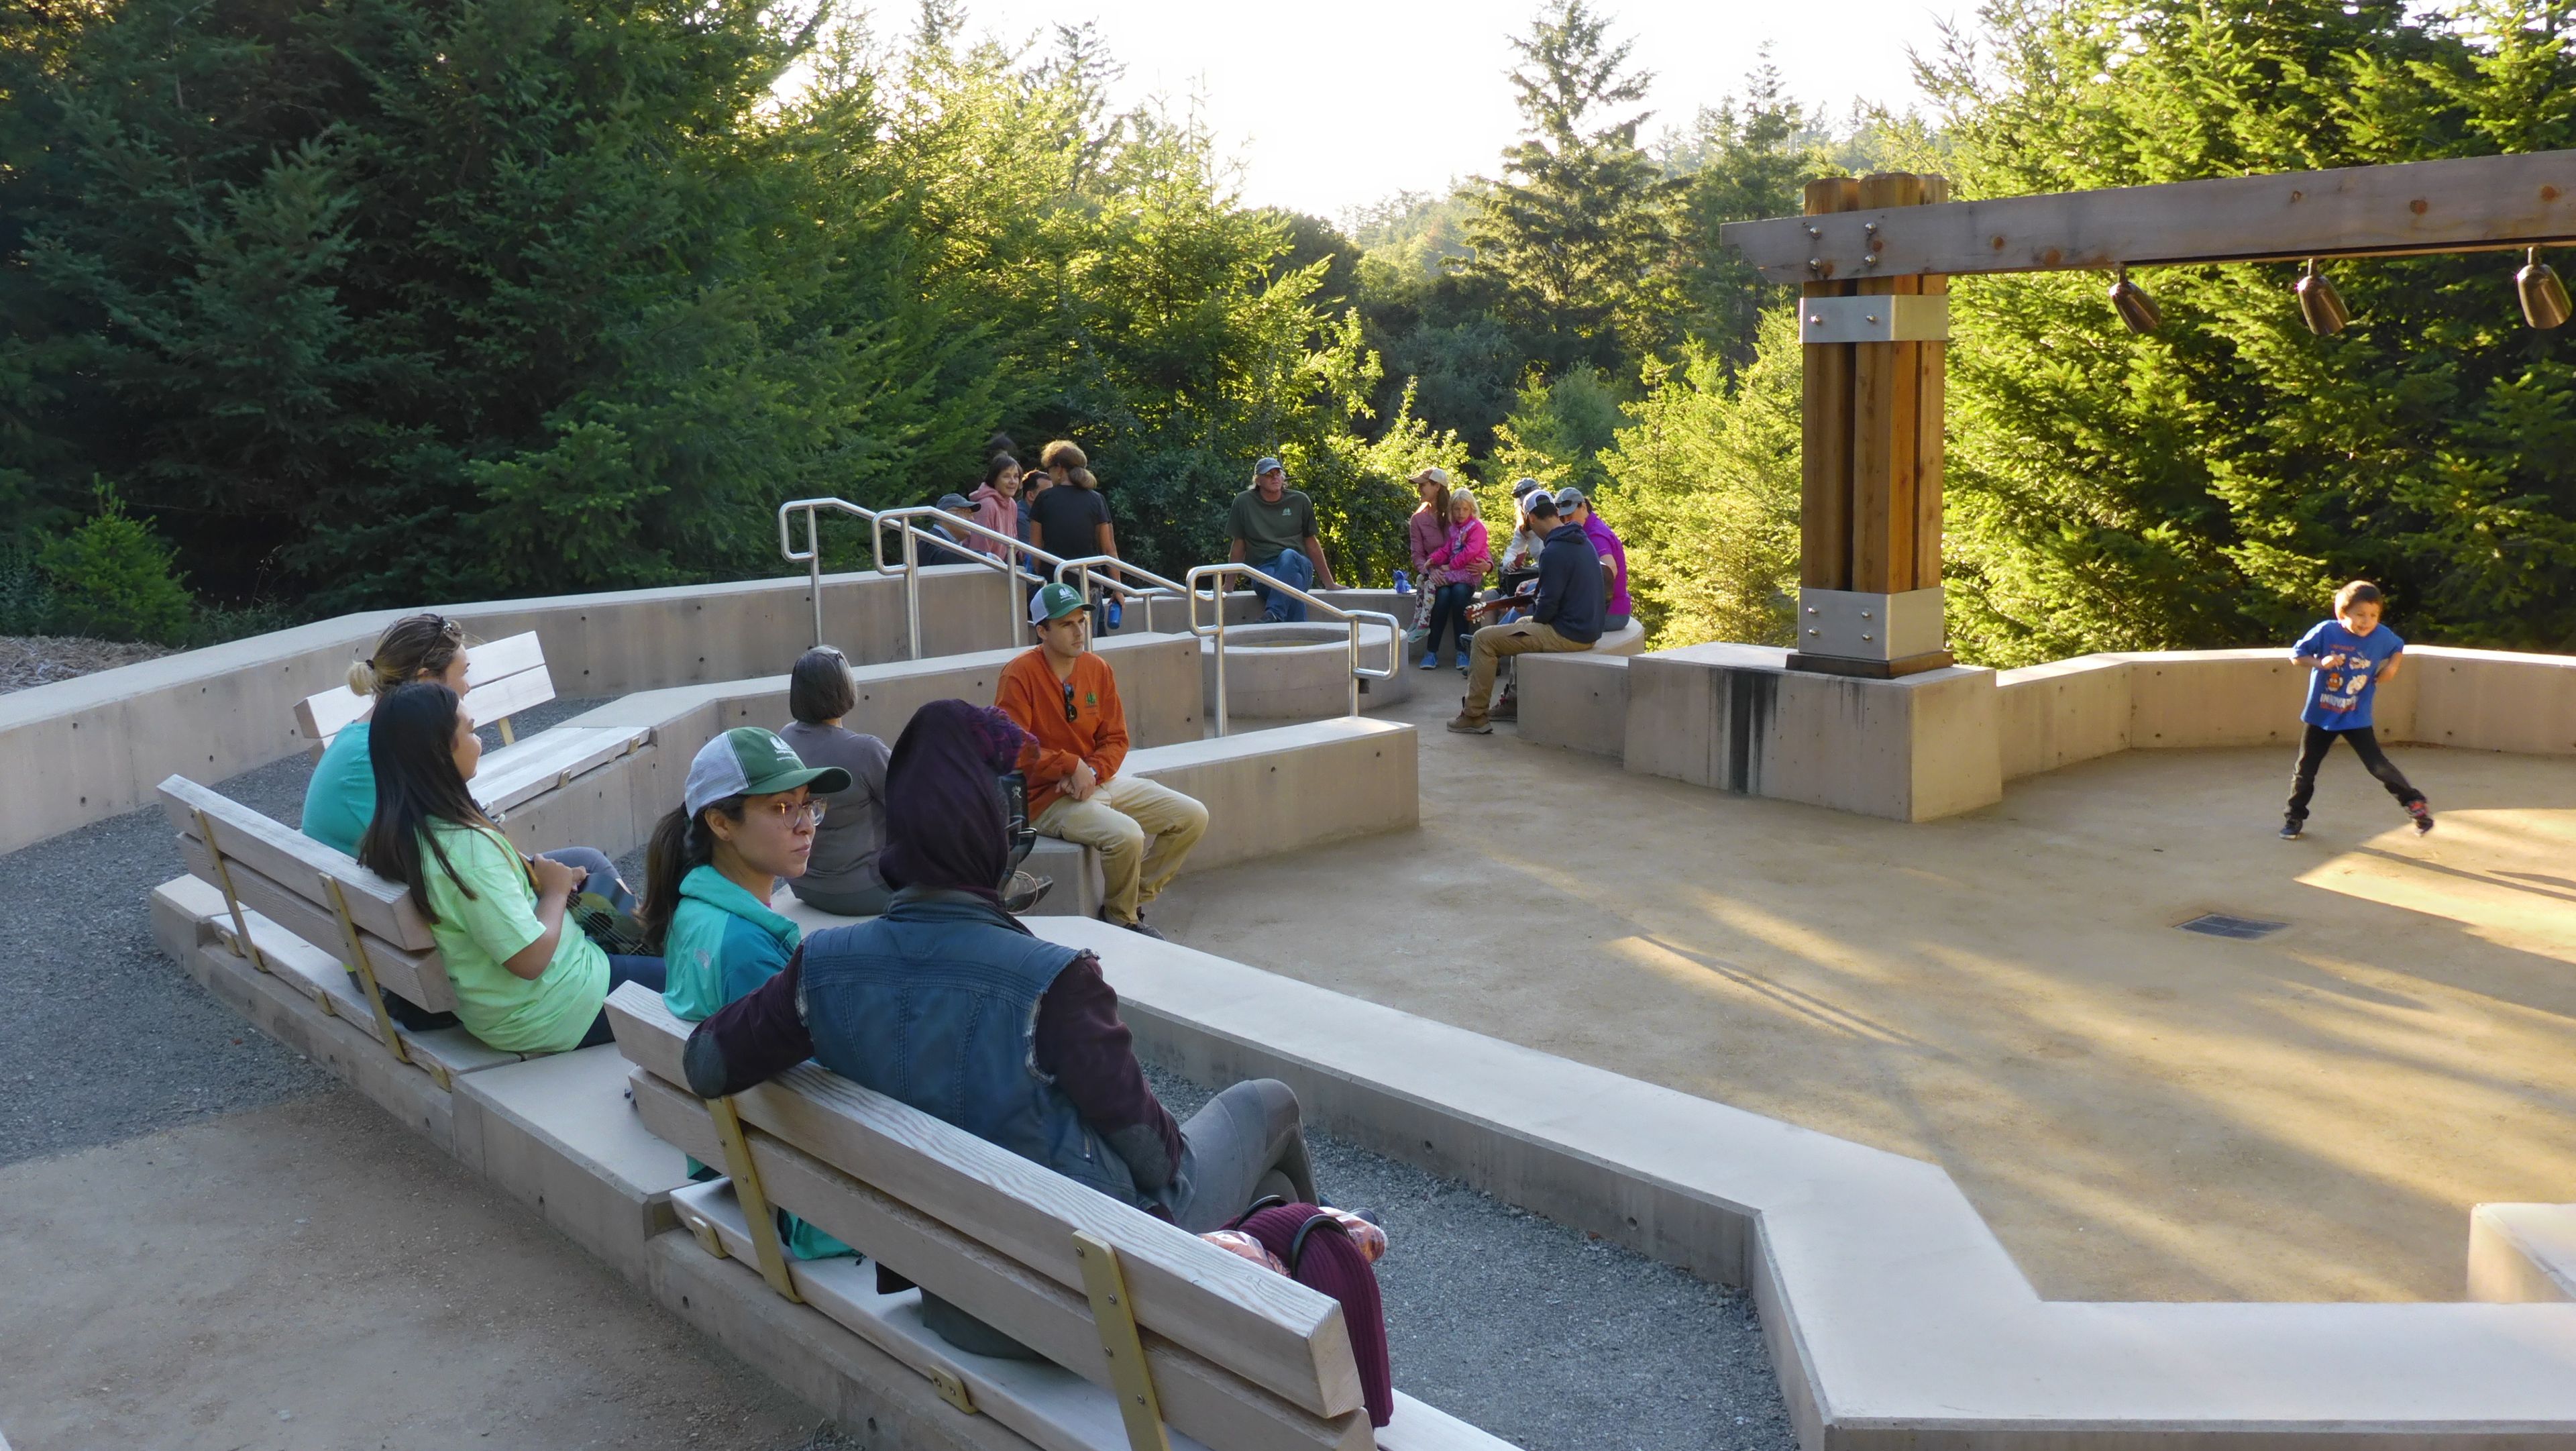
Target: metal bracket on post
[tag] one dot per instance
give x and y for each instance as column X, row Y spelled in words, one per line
column 1121, row 1341
column 232, row 902
column 756, row 1214
column 508, row 736
column 366, row 971
column 1877, row 318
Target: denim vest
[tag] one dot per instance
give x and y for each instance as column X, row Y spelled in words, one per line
column 936, row 1004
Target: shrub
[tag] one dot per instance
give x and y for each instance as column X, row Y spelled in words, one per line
column 112, row 579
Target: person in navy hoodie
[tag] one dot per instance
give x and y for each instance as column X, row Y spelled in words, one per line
column 2347, row 657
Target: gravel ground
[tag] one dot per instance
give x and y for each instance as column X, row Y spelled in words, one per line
column 1548, row 1338
column 101, row 1037
column 1538, row 1333
column 43, row 659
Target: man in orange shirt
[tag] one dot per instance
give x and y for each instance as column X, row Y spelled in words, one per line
column 1067, row 701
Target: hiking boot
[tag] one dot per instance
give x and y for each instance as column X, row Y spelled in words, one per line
column 1140, row 926
column 2422, row 811
column 1471, row 722
column 2292, row 828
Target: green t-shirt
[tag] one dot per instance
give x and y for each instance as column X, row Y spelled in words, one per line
column 341, row 798
column 1269, row 530
column 477, row 935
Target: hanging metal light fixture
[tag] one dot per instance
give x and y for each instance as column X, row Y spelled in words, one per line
column 2320, row 306
column 2544, row 297
column 2130, row 300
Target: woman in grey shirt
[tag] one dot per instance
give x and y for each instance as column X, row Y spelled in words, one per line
column 841, row 875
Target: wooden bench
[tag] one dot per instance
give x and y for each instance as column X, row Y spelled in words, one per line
column 1142, row 1325
column 502, row 678
column 336, row 933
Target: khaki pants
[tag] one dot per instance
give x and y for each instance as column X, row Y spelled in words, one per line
column 1496, row 641
column 1117, row 822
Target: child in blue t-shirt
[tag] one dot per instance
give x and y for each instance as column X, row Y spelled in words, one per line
column 2347, row 656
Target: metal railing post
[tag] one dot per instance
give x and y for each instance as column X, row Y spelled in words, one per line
column 912, row 587
column 814, row 570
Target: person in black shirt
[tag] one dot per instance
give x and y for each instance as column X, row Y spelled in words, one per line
column 1072, row 520
column 1565, row 614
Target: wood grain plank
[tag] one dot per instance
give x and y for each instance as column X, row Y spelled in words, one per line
column 1200, row 1397
column 509, row 695
column 320, row 717
column 1270, row 1330
column 1884, row 394
column 287, row 855
column 1824, row 514
column 541, row 762
column 419, row 977
column 2475, row 203
column 490, row 661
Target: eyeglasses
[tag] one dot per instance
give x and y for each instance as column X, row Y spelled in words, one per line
column 792, row 814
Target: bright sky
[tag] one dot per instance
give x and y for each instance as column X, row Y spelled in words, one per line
column 1331, row 104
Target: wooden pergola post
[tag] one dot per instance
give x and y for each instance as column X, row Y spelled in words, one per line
column 1869, row 601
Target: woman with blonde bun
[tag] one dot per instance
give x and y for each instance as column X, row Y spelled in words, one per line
column 341, row 798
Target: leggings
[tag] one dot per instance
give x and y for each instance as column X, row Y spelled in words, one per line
column 623, row 969
column 2365, row 743
column 1449, row 612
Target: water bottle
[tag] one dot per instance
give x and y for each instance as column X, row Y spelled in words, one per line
column 1110, row 610
column 1403, row 586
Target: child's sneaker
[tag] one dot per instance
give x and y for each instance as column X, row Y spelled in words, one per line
column 1430, row 662
column 2423, row 813
column 2292, row 828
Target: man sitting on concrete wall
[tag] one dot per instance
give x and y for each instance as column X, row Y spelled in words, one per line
column 1566, row 614
column 1067, row 700
column 1273, row 526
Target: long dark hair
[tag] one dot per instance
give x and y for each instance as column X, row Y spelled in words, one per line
column 412, row 746
column 681, row 844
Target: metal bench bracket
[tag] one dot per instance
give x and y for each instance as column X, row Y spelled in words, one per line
column 756, row 1214
column 366, row 971
column 224, row 880
column 1129, row 1377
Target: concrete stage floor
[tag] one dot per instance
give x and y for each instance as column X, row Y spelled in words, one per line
column 2140, row 1112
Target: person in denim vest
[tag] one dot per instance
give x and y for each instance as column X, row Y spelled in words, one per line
column 949, row 1004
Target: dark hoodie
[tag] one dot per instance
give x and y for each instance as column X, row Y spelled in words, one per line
column 946, row 837
column 1569, row 585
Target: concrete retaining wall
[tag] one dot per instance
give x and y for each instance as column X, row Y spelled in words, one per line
column 614, row 807
column 78, row 750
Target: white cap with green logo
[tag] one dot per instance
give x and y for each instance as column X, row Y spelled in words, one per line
column 749, row 761
column 1053, row 602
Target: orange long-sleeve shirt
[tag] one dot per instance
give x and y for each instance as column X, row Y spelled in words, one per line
column 1030, row 694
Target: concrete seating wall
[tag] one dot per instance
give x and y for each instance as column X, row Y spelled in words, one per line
column 614, row 807
column 1734, row 717
column 79, row 750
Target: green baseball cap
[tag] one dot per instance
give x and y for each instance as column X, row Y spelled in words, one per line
column 749, row 761
column 1053, row 602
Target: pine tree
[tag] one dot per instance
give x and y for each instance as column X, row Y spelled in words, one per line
column 1574, row 235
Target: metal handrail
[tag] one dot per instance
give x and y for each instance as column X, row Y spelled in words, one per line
column 1221, row 572
column 811, row 556
column 1105, row 569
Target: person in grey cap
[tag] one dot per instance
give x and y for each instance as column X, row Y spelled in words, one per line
column 1577, row 509
column 953, row 550
column 1273, row 529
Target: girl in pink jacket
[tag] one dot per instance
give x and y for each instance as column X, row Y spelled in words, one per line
column 997, row 504
column 1460, row 565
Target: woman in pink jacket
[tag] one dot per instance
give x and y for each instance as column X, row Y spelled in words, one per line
column 997, row 504
column 1461, row 559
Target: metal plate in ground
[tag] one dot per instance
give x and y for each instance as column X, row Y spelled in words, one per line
column 2239, row 929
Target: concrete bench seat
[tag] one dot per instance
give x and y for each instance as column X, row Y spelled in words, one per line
column 1237, row 1357
column 2522, row 1253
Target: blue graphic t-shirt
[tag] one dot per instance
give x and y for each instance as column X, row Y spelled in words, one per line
column 2340, row 691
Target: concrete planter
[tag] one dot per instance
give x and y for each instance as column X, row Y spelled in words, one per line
column 1298, row 672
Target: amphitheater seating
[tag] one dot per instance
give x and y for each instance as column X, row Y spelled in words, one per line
column 502, row 678
column 313, row 919
column 1238, row 1357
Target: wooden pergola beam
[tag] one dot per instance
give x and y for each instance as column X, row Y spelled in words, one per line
column 2477, row 203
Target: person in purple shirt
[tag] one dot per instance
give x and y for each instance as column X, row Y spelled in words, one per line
column 2347, row 657
column 1614, row 555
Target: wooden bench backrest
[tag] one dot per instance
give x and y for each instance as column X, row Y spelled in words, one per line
column 1241, row 1357
column 280, row 873
column 502, row 678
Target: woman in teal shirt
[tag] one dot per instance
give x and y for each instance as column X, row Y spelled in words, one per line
column 746, row 818
column 341, row 798
column 526, row 980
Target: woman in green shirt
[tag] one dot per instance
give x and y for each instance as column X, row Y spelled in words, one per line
column 526, row 980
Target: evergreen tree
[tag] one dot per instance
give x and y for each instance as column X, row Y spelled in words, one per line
column 1574, row 235
column 1743, row 160
column 2210, row 484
